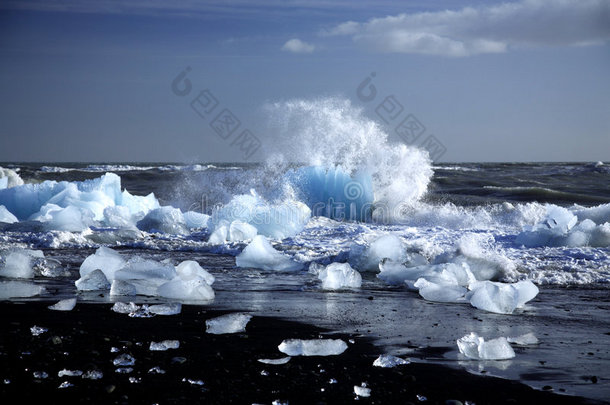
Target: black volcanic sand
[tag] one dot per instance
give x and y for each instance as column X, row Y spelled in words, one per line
column 82, row 339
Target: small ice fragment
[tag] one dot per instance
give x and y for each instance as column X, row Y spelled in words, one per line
column 164, row 345
column 69, row 373
column 283, row 360
column 279, row 402
column 114, row 349
column 122, row 287
column 259, row 254
column 362, row 390
column 37, row 330
column 65, row 384
column 172, row 308
column 230, row 323
column 124, row 360
column 314, row 347
column 339, row 275
column 64, row 305
column 17, row 264
column 124, row 307
column 388, row 361
column 156, row 370
column 475, row 347
column 193, row 382
column 134, row 380
column 40, row 374
column 332, row 381
column 524, row 340
column 93, row 281
column 123, row 370
column 93, row 375
column 421, row 398
column 264, row 373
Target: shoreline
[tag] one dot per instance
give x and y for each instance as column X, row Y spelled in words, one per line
column 227, row 365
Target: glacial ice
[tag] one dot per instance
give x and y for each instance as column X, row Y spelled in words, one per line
column 314, row 347
column 275, row 362
column 164, row 220
column 186, row 290
column 220, row 234
column 339, row 275
column 6, row 216
column 260, row 254
column 524, row 340
column 389, row 361
column 501, row 298
column 277, row 221
column 475, row 347
column 64, row 305
column 190, row 270
column 164, row 345
column 333, row 193
column 440, row 292
column 124, row 360
column 229, row 323
column 19, row 289
column 195, row 220
column 239, row 230
column 18, row 263
column 137, row 268
column 105, row 259
column 93, row 281
column 122, row 287
column 166, row 309
column 362, row 390
column 386, row 247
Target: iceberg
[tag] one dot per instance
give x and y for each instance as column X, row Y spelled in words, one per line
column 230, row 323
column 333, row 193
column 314, row 347
column 121, row 287
column 339, row 275
column 164, row 220
column 190, row 270
column 276, row 221
column 239, row 231
column 260, row 254
column 475, row 347
column 93, row 281
column 501, row 298
column 104, row 259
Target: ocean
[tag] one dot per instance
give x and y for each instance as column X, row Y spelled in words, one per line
column 508, row 222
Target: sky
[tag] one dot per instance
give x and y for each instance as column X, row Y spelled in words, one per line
column 477, row 81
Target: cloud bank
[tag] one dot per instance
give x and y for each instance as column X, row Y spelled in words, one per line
column 481, row 30
column 297, row 46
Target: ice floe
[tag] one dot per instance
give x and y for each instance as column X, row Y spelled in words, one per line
column 313, row 347
column 229, row 323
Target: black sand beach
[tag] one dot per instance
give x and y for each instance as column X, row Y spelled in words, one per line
column 216, row 368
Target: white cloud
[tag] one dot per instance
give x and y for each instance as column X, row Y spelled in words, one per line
column 489, row 29
column 297, row 46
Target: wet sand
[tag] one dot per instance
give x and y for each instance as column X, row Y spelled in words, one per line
column 216, row 368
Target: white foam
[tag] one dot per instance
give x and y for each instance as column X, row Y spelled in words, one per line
column 230, row 323
column 314, row 347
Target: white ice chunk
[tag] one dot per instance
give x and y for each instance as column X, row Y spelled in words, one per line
column 386, row 247
column 440, row 292
column 18, row 264
column 219, row 236
column 190, row 269
column 93, row 281
column 69, row 373
column 9, row 178
column 122, row 287
column 124, row 360
column 164, row 220
column 388, row 361
column 164, row 345
column 173, row 308
column 6, row 216
column 362, row 390
column 501, row 298
column 260, row 254
column 19, row 289
column 475, row 347
column 524, row 340
column 314, row 347
column 195, row 220
column 104, row 259
column 64, row 305
column 339, row 275
column 239, row 230
column 137, row 268
column 186, row 290
column 396, row 273
column 275, row 362
column 230, row 323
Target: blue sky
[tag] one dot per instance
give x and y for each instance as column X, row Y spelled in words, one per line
column 91, row 81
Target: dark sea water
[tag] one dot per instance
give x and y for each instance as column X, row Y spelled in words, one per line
column 486, row 212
